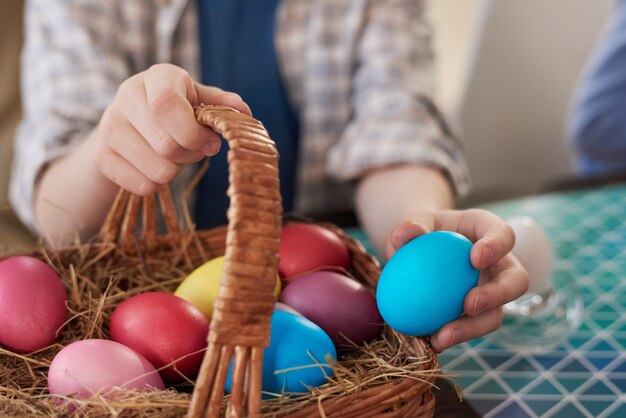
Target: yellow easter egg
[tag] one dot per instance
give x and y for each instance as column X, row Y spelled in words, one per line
column 202, row 286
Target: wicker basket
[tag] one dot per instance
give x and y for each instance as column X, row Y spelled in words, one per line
column 241, row 321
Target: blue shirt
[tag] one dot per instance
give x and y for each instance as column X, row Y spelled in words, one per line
column 597, row 124
column 238, row 54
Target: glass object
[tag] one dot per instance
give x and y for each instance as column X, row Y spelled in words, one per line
column 543, row 317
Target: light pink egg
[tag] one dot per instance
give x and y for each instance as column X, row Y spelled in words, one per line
column 32, row 304
column 86, row 367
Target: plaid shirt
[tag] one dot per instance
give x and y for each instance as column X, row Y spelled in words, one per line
column 359, row 73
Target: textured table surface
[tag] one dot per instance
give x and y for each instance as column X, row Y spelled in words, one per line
column 585, row 376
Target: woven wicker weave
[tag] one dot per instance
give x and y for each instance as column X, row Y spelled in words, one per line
column 240, row 324
column 253, row 232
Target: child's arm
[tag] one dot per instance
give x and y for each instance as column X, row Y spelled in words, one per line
column 145, row 137
column 399, row 203
column 388, row 196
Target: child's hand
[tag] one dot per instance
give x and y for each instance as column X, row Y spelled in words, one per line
column 502, row 277
column 149, row 131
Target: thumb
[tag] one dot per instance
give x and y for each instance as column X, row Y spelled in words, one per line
column 216, row 96
column 402, row 234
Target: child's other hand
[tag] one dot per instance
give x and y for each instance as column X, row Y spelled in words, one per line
column 149, row 130
column 502, row 277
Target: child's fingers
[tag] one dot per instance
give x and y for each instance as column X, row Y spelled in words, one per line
column 508, row 281
column 121, row 172
column 402, row 234
column 492, row 237
column 466, row 328
column 169, row 106
column 477, row 224
column 130, row 145
column 495, row 243
column 138, row 115
column 217, row 96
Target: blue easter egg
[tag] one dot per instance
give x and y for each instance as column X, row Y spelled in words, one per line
column 296, row 356
column 423, row 285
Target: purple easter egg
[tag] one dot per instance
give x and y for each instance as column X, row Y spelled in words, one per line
column 338, row 304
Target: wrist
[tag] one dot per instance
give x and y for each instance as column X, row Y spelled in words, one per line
column 387, row 197
column 72, row 196
column 85, row 160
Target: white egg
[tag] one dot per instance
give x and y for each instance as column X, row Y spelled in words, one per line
column 534, row 251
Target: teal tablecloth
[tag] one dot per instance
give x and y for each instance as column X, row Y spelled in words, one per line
column 586, row 375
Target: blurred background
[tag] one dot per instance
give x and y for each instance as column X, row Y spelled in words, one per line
column 506, row 72
column 11, row 25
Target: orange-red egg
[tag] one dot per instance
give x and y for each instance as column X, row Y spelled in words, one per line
column 305, row 247
column 164, row 329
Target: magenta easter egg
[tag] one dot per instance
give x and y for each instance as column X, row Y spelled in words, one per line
column 336, row 303
column 164, row 329
column 87, row 367
column 305, row 247
column 32, row 304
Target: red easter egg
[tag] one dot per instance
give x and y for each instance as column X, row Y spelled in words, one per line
column 32, row 304
column 163, row 328
column 305, row 247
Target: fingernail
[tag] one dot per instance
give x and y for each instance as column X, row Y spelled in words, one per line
column 444, row 338
column 211, row 148
column 487, row 256
column 403, row 234
column 455, row 338
column 436, row 345
column 482, row 302
column 397, row 239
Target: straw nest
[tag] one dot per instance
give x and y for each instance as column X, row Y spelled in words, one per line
column 99, row 276
column 389, row 378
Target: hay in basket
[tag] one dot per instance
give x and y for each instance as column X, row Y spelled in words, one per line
column 391, row 377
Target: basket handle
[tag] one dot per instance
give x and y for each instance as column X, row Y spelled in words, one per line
column 240, row 326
